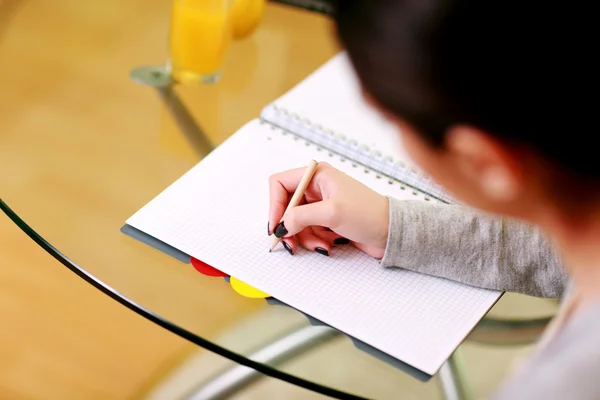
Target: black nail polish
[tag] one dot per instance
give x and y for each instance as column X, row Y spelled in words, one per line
column 321, row 250
column 288, row 248
column 280, row 230
column 268, row 228
column 341, row 241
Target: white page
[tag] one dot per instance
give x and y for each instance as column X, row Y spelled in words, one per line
column 217, row 213
column 331, row 97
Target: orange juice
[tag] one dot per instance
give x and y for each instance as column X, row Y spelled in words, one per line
column 246, row 16
column 201, row 31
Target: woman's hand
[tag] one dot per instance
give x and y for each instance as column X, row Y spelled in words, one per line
column 336, row 209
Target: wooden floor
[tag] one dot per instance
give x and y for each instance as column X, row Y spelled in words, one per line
column 64, row 80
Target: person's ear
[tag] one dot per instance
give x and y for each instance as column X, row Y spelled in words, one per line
column 485, row 162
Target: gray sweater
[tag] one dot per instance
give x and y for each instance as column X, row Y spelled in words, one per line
column 497, row 253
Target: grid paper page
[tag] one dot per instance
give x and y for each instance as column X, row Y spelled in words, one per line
column 217, row 213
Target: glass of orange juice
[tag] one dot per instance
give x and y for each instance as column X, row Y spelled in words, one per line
column 201, row 31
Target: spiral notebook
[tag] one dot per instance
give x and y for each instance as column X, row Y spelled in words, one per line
column 217, row 213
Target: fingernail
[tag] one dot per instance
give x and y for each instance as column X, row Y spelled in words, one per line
column 288, row 248
column 268, row 228
column 341, row 241
column 321, row 250
column 280, row 230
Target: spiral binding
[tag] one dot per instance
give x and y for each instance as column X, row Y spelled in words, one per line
column 359, row 154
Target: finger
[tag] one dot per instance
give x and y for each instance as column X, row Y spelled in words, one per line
column 320, row 213
column 310, row 241
column 271, row 229
column 290, row 245
column 329, row 236
column 281, row 187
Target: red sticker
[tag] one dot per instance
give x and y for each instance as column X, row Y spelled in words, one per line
column 205, row 269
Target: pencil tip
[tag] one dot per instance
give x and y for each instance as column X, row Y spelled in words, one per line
column 270, row 250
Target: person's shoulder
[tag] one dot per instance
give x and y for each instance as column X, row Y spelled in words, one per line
column 568, row 368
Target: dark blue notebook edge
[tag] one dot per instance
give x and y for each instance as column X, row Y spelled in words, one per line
column 155, row 243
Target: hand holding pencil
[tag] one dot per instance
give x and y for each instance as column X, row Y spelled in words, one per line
column 327, row 208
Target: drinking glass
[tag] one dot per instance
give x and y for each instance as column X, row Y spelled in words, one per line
column 201, row 31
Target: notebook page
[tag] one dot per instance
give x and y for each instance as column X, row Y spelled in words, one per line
column 331, row 97
column 217, row 213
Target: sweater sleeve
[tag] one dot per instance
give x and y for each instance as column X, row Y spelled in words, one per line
column 463, row 245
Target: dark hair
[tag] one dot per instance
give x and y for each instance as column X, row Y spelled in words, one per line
column 519, row 70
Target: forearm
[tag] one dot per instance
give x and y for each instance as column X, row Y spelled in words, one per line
column 460, row 244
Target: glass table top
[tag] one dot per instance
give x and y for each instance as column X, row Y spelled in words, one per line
column 83, row 146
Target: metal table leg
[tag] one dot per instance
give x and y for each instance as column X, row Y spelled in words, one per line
column 452, row 377
column 238, row 377
column 503, row 332
column 160, row 79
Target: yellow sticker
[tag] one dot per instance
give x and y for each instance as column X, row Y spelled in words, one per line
column 246, row 290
